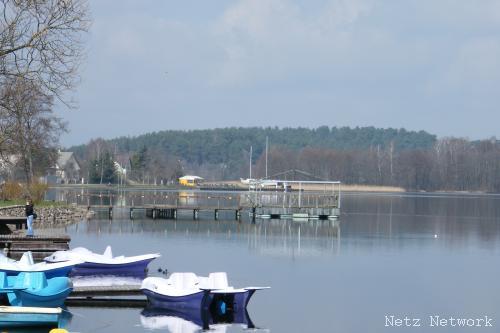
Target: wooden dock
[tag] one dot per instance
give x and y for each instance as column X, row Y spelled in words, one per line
column 101, row 302
column 172, row 212
column 18, row 222
column 93, row 291
column 14, row 245
column 258, row 204
column 128, row 296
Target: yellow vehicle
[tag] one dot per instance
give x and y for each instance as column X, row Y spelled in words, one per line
column 190, row 181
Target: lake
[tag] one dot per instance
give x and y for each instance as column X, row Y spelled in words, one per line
column 390, row 257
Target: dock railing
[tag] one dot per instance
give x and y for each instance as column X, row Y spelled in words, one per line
column 330, row 197
column 315, row 198
column 289, row 200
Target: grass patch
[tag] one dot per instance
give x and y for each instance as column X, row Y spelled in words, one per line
column 4, row 203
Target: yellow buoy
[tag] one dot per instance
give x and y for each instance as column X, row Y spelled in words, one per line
column 58, row 330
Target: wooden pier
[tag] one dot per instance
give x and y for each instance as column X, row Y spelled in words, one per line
column 18, row 222
column 119, row 290
column 15, row 245
column 171, row 212
column 128, row 296
column 307, row 213
column 258, row 203
column 101, row 302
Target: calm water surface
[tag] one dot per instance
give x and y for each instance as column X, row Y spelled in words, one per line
column 408, row 255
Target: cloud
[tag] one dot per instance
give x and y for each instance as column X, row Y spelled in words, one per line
column 289, row 62
column 256, row 37
column 340, row 43
column 339, row 13
column 475, row 68
column 457, row 14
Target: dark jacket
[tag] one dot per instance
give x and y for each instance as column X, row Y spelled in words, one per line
column 29, row 210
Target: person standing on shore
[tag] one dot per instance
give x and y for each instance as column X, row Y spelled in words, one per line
column 29, row 217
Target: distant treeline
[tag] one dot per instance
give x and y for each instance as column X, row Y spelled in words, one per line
column 361, row 155
column 223, row 145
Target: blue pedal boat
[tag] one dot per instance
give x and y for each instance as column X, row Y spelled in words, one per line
column 26, row 264
column 33, row 289
column 16, row 316
column 188, row 291
column 104, row 264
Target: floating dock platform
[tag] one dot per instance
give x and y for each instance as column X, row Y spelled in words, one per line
column 93, row 291
column 14, row 245
column 124, row 296
column 18, row 222
column 303, row 213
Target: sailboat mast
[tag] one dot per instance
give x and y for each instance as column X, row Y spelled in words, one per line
column 251, row 151
column 267, row 148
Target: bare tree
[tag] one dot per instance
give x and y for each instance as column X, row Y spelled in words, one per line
column 31, row 129
column 93, row 156
column 42, row 41
column 391, row 160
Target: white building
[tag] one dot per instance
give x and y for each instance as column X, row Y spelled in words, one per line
column 66, row 170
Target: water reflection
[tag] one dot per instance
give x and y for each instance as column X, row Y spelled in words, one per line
column 454, row 219
column 188, row 321
column 381, row 258
column 64, row 321
column 132, row 197
column 266, row 237
column 27, row 330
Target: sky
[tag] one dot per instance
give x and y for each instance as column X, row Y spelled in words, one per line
column 162, row 64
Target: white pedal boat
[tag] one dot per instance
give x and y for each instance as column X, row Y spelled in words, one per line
column 189, row 291
column 104, row 264
column 26, row 264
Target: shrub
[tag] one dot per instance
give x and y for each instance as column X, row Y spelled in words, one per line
column 38, row 191
column 11, row 191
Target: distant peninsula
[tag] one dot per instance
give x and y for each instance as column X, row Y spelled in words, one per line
column 413, row 160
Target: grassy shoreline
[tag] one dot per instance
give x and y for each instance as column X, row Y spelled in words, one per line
column 236, row 185
column 355, row 188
